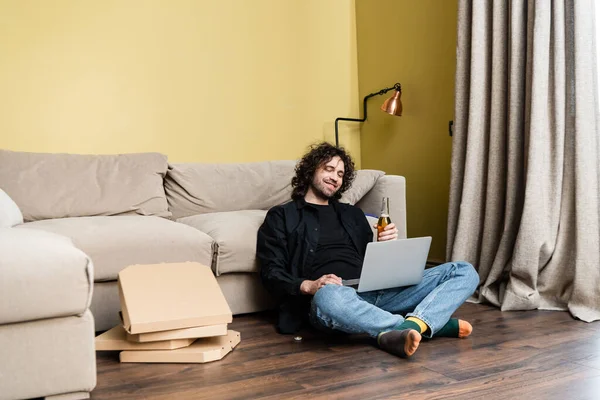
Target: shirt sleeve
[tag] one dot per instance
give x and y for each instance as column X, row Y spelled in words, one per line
column 364, row 231
column 365, row 227
column 273, row 257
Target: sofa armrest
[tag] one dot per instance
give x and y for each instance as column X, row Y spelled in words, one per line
column 394, row 187
column 42, row 275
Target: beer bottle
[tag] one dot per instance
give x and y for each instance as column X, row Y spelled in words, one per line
column 384, row 216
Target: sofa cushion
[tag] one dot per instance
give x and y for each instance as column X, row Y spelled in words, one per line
column 42, row 275
column 114, row 243
column 47, row 186
column 196, row 188
column 235, row 235
column 363, row 182
column 10, row 215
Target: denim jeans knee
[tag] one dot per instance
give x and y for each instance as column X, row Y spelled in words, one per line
column 470, row 273
column 330, row 298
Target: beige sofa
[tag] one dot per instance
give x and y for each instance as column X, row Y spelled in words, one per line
column 129, row 209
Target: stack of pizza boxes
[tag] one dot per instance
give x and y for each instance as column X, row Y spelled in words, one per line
column 170, row 313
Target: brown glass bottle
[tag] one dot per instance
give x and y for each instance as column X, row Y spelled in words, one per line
column 384, row 216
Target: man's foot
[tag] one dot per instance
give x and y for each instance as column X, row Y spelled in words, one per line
column 402, row 343
column 456, row 328
column 464, row 328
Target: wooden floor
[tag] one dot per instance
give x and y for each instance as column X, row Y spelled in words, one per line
column 510, row 355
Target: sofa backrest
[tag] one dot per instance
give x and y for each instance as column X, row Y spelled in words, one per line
column 196, row 188
column 47, row 186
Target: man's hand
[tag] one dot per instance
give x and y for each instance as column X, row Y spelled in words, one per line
column 389, row 232
column 311, row 287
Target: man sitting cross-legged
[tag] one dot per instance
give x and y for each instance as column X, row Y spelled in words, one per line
column 307, row 246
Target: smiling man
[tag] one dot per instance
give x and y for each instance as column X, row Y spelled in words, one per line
column 307, row 246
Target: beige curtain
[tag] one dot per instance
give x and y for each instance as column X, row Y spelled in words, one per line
column 524, row 198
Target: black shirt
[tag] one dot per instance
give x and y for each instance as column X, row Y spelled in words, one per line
column 286, row 251
column 335, row 254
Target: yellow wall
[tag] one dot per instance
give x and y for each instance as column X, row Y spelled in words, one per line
column 198, row 80
column 236, row 80
column 411, row 42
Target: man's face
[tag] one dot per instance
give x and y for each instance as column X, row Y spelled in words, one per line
column 328, row 178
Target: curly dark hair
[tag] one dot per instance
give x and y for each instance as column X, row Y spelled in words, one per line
column 319, row 154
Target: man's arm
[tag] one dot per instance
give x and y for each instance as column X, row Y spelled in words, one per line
column 273, row 256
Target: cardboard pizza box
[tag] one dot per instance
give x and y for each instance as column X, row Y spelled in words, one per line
column 185, row 333
column 201, row 351
column 162, row 297
column 116, row 339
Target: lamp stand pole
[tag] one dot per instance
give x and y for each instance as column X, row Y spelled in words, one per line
column 364, row 118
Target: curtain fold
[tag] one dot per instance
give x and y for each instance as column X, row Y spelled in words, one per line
column 525, row 188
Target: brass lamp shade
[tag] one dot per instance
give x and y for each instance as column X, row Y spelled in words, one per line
column 393, row 105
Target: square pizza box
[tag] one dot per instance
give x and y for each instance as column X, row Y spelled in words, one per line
column 162, row 297
column 185, row 333
column 201, row 351
column 116, row 339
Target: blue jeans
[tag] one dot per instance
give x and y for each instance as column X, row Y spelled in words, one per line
column 443, row 289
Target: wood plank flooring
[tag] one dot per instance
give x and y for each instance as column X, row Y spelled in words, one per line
column 510, row 355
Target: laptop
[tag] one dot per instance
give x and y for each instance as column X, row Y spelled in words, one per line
column 393, row 263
